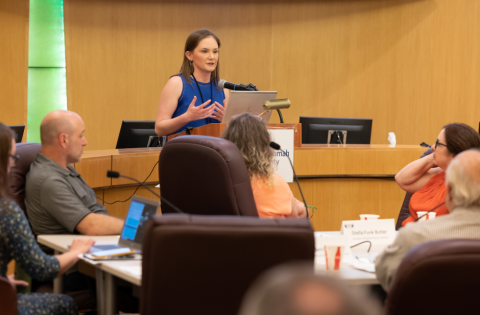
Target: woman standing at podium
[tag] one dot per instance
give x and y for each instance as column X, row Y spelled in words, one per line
column 191, row 97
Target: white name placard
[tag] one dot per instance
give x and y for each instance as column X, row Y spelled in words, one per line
column 284, row 137
column 380, row 233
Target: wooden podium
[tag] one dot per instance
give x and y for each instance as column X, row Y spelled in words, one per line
column 216, row 130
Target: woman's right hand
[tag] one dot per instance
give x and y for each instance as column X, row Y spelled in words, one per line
column 81, row 245
column 416, row 174
column 70, row 258
column 199, row 112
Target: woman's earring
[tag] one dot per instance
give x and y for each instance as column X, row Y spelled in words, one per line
column 191, row 64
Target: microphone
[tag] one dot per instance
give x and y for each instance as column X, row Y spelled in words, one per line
column 222, row 84
column 113, row 174
column 276, row 146
column 430, row 211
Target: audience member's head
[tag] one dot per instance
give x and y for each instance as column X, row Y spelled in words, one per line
column 7, row 156
column 452, row 140
column 296, row 290
column 61, row 133
column 463, row 180
column 460, row 137
column 250, row 135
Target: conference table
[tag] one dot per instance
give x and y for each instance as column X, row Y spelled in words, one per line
column 342, row 181
column 131, row 270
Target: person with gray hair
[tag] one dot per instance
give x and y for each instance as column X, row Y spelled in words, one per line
column 294, row 289
column 462, row 200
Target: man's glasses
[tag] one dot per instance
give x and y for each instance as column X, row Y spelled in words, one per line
column 439, row 143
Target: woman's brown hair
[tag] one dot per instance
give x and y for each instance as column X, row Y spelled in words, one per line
column 250, row 135
column 460, row 137
column 192, row 42
column 6, row 135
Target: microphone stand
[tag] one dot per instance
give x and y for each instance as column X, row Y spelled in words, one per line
column 148, row 188
column 298, row 183
column 280, row 115
column 295, row 175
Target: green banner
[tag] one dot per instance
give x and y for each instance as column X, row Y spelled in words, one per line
column 47, row 81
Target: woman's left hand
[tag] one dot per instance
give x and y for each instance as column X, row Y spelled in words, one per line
column 219, row 111
column 14, row 282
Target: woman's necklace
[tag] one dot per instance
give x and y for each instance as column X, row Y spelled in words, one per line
column 201, row 95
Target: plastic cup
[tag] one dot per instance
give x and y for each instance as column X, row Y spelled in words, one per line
column 369, row 216
column 333, row 256
column 429, row 216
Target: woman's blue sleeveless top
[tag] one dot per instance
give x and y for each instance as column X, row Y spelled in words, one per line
column 191, row 90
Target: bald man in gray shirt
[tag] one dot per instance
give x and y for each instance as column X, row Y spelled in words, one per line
column 58, row 200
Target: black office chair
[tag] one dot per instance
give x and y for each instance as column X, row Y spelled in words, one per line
column 438, row 277
column 8, row 298
column 28, row 152
column 205, row 175
column 195, row 264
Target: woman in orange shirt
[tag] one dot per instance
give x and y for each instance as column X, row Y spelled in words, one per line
column 427, row 182
column 272, row 194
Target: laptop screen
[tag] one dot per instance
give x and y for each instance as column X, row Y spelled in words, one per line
column 140, row 211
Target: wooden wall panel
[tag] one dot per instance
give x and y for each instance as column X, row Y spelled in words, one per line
column 11, row 267
column 138, row 166
column 374, row 160
column 13, row 61
column 411, row 65
column 120, row 209
column 339, row 199
column 94, row 170
column 120, row 54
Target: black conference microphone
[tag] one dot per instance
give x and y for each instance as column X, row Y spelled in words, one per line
column 276, row 146
column 113, row 174
column 222, row 84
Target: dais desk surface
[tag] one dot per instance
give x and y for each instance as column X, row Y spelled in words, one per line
column 342, row 181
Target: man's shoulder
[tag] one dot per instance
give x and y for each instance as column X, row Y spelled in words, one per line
column 445, row 226
column 41, row 174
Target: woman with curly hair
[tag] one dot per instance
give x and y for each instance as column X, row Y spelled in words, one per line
column 272, row 194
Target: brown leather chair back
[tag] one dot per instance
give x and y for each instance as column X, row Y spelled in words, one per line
column 205, row 175
column 438, row 277
column 8, row 298
column 205, row 264
column 27, row 152
column 405, row 210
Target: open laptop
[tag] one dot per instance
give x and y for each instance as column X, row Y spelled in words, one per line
column 248, row 102
column 140, row 211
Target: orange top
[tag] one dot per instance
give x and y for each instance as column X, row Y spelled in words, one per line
column 275, row 202
column 429, row 197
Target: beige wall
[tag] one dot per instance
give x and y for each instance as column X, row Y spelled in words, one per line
column 412, row 66
column 13, row 61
